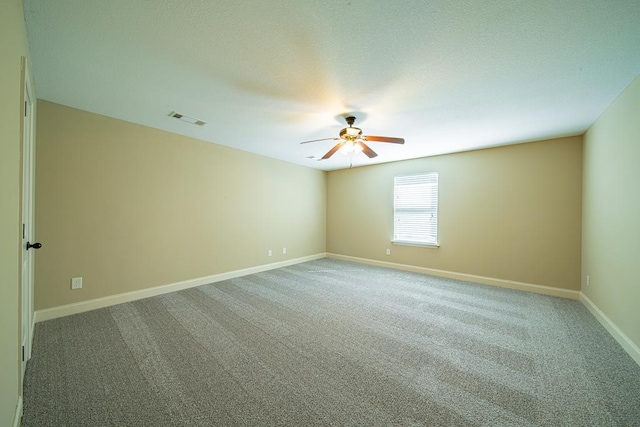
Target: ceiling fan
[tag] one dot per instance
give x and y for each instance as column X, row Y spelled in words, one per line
column 352, row 141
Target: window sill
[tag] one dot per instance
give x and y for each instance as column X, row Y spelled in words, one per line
column 422, row 245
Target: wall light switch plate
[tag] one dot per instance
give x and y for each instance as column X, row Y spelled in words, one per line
column 270, row 252
column 388, row 251
column 76, row 283
column 284, row 251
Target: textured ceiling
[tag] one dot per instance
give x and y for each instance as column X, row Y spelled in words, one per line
column 447, row 76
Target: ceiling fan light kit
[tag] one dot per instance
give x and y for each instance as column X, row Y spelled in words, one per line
column 350, row 147
column 353, row 142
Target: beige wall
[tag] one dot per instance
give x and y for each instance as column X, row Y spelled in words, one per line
column 511, row 213
column 12, row 48
column 611, row 205
column 129, row 207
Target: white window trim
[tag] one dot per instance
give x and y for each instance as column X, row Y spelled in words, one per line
column 422, row 245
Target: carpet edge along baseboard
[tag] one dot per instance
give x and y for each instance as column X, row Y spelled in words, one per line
column 511, row 284
column 93, row 304
column 107, row 301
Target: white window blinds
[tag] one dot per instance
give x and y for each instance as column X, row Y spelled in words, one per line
column 415, row 209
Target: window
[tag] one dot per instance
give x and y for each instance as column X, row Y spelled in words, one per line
column 415, row 209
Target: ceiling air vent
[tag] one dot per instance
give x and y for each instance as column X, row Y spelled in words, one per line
column 187, row 119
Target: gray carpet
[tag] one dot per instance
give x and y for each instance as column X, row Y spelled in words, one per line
column 332, row 343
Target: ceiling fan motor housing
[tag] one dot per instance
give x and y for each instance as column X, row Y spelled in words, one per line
column 351, row 133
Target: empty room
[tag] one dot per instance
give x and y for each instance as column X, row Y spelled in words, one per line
column 297, row 213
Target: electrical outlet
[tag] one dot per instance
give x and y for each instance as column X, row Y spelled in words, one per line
column 388, row 251
column 588, row 284
column 270, row 252
column 76, row 283
column 284, row 251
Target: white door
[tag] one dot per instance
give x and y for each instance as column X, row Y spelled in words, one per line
column 28, row 158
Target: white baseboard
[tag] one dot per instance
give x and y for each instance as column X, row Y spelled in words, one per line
column 540, row 289
column 80, row 307
column 625, row 342
column 31, row 335
column 51, row 313
column 17, row 416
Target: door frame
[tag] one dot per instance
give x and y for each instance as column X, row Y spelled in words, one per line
column 27, row 127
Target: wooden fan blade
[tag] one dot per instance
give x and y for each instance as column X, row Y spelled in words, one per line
column 384, row 139
column 366, row 150
column 332, row 151
column 316, row 140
